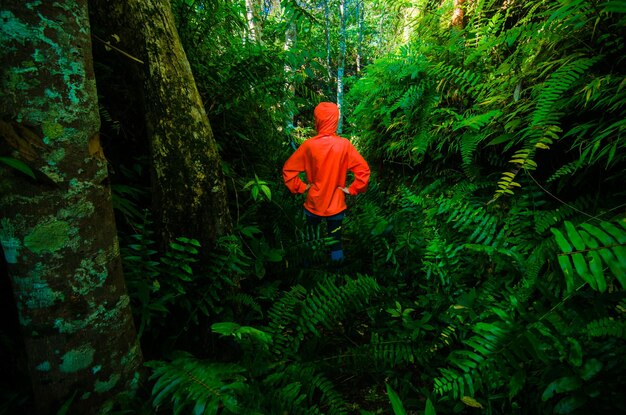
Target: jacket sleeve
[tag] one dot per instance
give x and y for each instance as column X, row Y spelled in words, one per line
column 293, row 166
column 361, row 170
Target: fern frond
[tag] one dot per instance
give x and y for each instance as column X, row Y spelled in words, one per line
column 606, row 327
column 546, row 219
column 381, row 354
column 301, row 389
column 587, row 249
column 283, row 317
column 191, row 385
column 328, row 303
column 555, row 87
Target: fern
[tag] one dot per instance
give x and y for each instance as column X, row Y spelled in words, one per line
column 586, row 250
column 282, row 317
column 294, row 389
column 606, row 327
column 191, row 385
column 329, row 303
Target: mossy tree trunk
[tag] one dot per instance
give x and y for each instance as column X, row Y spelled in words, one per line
column 66, row 273
column 189, row 190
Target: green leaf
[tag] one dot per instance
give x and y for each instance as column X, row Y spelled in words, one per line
column 581, row 268
column 517, row 383
column 616, row 6
column 597, row 270
column 18, row 165
column 615, row 232
column 267, row 192
column 575, row 352
column 564, row 384
column 569, row 404
column 225, row 328
column 430, row 408
column 568, row 272
column 591, row 368
column 561, row 241
column 396, row 403
column 574, row 236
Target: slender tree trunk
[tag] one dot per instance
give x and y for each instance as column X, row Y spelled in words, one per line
column 410, row 15
column 342, row 62
column 327, row 33
column 290, row 40
column 458, row 15
column 254, row 33
column 66, row 273
column 189, row 189
column 360, row 16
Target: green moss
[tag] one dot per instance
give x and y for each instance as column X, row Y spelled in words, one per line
column 13, row 29
column 90, row 275
column 33, row 292
column 131, row 356
column 77, row 359
column 134, row 384
column 100, row 318
column 106, row 385
column 53, row 173
column 52, row 130
column 48, row 237
column 44, row 366
column 82, row 209
column 33, row 4
column 49, row 93
column 56, row 156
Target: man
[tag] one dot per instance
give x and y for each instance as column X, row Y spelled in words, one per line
column 326, row 159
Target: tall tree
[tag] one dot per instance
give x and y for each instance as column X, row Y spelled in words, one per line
column 327, row 33
column 189, row 190
column 410, row 13
column 458, row 15
column 64, row 264
column 341, row 61
column 254, row 30
column 360, row 18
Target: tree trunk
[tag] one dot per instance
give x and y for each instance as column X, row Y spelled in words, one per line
column 327, row 33
column 360, row 18
column 66, row 273
column 189, row 189
column 341, row 62
column 410, row 15
column 254, row 33
column 291, row 36
column 458, row 15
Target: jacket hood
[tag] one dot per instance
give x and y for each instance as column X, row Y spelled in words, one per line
column 326, row 118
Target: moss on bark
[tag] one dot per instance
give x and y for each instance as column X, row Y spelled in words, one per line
column 67, row 277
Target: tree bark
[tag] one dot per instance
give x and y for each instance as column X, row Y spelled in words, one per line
column 327, row 33
column 360, row 16
column 189, row 189
column 341, row 62
column 254, row 32
column 458, row 16
column 66, row 273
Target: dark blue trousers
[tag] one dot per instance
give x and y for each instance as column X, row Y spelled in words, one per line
column 333, row 224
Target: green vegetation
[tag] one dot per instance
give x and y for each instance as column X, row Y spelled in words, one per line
column 486, row 264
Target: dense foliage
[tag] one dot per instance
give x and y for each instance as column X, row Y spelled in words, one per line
column 486, row 263
column 493, row 235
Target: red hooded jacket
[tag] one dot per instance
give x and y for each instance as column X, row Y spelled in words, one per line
column 326, row 159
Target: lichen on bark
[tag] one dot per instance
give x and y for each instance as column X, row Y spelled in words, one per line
column 67, row 279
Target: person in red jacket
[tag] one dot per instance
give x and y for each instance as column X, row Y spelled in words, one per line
column 326, row 160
